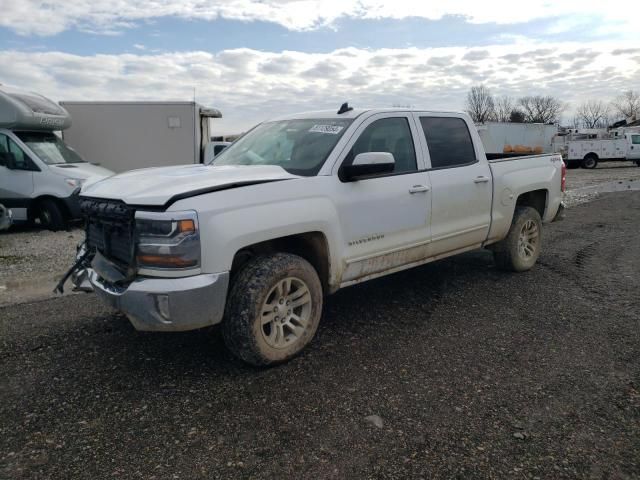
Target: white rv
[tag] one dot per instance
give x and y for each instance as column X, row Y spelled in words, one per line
column 40, row 176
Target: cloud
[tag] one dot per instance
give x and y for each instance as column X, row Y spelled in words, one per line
column 40, row 17
column 250, row 86
column 474, row 55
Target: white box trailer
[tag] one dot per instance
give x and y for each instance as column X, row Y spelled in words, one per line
column 125, row 136
column 505, row 139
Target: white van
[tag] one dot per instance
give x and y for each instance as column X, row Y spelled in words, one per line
column 40, row 176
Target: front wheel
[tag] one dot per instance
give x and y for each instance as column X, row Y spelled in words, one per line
column 50, row 215
column 273, row 309
column 520, row 250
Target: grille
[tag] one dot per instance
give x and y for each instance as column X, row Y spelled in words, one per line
column 109, row 229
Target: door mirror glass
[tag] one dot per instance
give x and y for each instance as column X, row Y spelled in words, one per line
column 366, row 165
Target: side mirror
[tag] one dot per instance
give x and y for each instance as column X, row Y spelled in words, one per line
column 8, row 160
column 367, row 164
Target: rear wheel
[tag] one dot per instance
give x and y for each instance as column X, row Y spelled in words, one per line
column 520, row 250
column 273, row 309
column 590, row 161
column 49, row 215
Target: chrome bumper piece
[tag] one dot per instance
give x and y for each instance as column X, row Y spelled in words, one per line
column 167, row 304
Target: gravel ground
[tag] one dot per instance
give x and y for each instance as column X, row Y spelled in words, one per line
column 451, row 370
column 585, row 185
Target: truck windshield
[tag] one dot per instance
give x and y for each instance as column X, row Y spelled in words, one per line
column 299, row 146
column 49, row 148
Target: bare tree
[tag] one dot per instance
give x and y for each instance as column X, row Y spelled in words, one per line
column 627, row 105
column 593, row 114
column 516, row 116
column 480, row 106
column 503, row 107
column 541, row 108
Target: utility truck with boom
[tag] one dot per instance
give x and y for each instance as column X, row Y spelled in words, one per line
column 300, row 207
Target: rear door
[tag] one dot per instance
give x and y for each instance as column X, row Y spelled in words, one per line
column 384, row 220
column 461, row 183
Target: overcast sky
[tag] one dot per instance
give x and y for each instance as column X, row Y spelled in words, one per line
column 255, row 59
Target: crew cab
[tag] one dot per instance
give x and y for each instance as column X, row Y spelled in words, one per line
column 300, row 207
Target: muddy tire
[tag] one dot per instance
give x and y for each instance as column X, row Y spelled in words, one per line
column 590, row 161
column 273, row 309
column 50, row 215
column 520, row 250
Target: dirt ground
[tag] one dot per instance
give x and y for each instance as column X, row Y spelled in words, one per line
column 469, row 372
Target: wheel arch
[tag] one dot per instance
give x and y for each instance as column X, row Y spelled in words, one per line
column 313, row 246
column 537, row 199
column 37, row 201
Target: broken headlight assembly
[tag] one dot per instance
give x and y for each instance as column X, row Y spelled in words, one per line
column 167, row 242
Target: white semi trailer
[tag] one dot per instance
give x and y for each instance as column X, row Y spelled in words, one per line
column 125, row 136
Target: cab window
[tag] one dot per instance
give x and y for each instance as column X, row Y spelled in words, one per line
column 635, row 139
column 449, row 141
column 391, row 135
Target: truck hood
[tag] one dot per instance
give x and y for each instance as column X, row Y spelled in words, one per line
column 82, row 171
column 164, row 185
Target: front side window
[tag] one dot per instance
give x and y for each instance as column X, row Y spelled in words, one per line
column 391, row 135
column 7, row 145
column 299, row 146
column 49, row 148
column 449, row 141
column 635, row 139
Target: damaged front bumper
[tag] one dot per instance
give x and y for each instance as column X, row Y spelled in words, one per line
column 167, row 304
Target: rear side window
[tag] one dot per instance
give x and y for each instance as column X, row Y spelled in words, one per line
column 392, row 135
column 449, row 141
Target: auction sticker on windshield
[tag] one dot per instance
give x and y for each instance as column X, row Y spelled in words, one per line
column 332, row 129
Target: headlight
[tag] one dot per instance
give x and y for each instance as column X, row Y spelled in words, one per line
column 74, row 182
column 168, row 240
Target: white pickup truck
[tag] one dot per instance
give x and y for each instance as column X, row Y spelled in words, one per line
column 300, row 207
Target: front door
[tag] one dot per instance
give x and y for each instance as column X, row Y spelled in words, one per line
column 16, row 185
column 633, row 150
column 461, row 184
column 384, row 220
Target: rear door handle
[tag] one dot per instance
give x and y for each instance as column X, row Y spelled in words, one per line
column 418, row 189
column 481, row 180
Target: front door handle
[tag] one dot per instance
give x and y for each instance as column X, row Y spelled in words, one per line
column 481, row 180
column 418, row 189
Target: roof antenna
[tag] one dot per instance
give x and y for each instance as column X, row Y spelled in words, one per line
column 344, row 108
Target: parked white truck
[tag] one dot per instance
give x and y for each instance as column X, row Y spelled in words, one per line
column 300, row 207
column 40, row 176
column 588, row 147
